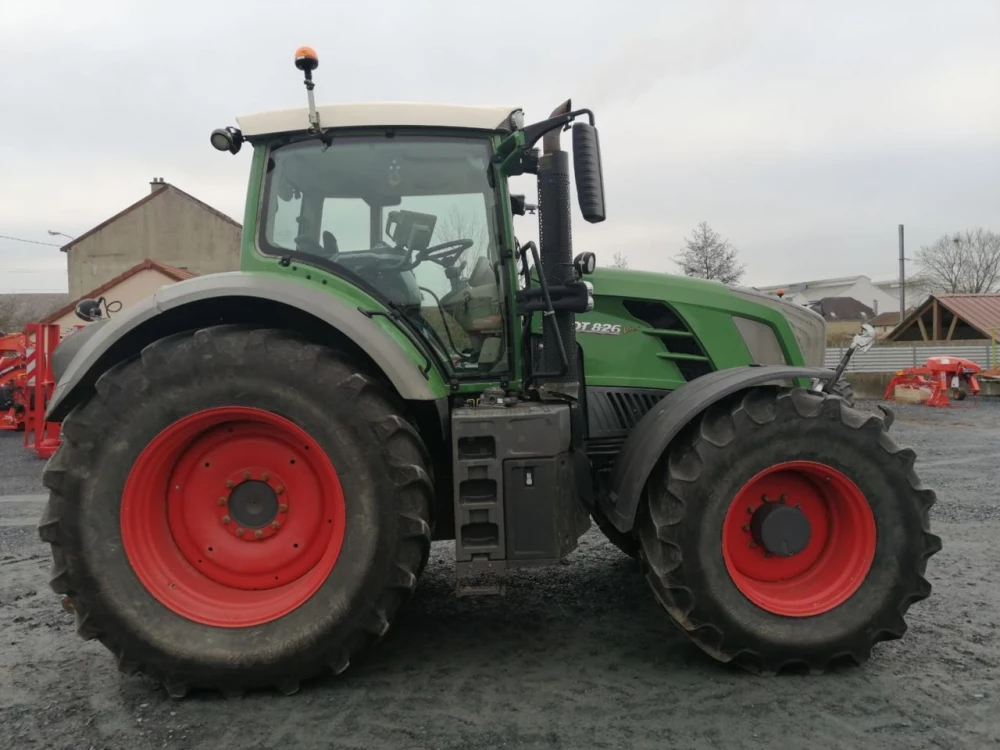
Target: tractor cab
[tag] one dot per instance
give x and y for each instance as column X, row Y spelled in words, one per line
column 412, row 217
column 409, row 203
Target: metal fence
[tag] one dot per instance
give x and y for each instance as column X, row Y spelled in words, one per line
column 892, row 358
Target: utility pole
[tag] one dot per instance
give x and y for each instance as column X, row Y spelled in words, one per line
column 902, row 277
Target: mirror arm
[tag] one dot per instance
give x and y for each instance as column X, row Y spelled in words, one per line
column 511, row 149
column 534, row 133
column 862, row 342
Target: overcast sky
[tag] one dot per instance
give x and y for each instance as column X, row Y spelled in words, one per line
column 803, row 132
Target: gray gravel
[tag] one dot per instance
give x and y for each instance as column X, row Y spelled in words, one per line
column 20, row 469
column 575, row 656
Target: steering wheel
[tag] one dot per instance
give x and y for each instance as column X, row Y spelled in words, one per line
column 446, row 253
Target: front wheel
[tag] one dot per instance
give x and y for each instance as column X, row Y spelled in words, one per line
column 237, row 509
column 784, row 529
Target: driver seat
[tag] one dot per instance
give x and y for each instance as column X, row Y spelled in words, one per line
column 330, row 244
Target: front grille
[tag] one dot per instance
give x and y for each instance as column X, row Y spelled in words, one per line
column 612, row 413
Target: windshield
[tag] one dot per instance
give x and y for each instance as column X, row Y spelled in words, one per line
column 413, row 217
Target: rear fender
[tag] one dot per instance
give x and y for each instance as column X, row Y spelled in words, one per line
column 655, row 431
column 98, row 347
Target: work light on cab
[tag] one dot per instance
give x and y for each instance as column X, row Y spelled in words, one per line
column 227, row 139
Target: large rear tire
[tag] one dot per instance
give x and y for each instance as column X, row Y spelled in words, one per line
column 831, row 480
column 237, row 509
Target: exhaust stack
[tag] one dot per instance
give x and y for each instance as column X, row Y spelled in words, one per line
column 556, row 252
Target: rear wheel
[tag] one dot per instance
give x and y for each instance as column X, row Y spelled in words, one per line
column 260, row 514
column 787, row 530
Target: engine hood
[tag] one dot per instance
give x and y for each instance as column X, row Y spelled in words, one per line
column 786, row 319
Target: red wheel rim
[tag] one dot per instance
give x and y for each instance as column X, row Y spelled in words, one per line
column 834, row 562
column 179, row 523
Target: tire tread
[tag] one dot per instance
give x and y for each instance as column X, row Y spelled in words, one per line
column 665, row 512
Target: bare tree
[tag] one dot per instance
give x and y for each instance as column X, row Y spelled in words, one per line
column 964, row 263
column 620, row 260
column 464, row 225
column 708, row 256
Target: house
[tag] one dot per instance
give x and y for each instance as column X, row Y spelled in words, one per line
column 917, row 290
column 951, row 317
column 17, row 310
column 878, row 296
column 169, row 226
column 842, row 310
column 843, row 315
column 135, row 284
column 883, row 323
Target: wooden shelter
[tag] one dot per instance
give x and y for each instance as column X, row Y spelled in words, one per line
column 951, row 317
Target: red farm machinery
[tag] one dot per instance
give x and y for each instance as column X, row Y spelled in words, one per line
column 936, row 382
column 27, row 382
column 13, row 365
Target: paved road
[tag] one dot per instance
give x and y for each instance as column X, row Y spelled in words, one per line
column 575, row 656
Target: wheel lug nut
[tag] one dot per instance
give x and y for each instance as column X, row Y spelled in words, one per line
column 283, row 507
column 781, row 499
column 246, row 474
column 226, row 519
column 265, row 476
column 749, row 510
column 222, row 501
column 798, row 506
column 765, row 498
column 280, row 489
column 275, row 525
column 239, row 532
column 753, row 544
column 258, row 533
column 746, row 527
column 230, row 484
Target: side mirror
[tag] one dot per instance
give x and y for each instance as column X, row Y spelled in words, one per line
column 588, row 172
column 863, row 341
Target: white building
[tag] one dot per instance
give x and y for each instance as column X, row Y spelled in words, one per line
column 881, row 296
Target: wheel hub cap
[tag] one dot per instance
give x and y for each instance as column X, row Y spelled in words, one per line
column 253, row 504
column 780, row 529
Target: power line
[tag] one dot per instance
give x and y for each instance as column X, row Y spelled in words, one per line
column 30, row 242
column 32, row 270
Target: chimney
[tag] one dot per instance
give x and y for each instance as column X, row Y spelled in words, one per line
column 157, row 183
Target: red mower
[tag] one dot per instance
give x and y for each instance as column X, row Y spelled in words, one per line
column 932, row 383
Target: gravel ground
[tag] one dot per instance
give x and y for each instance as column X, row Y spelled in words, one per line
column 575, row 656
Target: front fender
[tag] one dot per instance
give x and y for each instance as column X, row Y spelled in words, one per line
column 101, row 346
column 654, row 432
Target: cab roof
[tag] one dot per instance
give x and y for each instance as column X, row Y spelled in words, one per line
column 382, row 114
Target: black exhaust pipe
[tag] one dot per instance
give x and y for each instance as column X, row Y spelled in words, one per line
column 556, row 250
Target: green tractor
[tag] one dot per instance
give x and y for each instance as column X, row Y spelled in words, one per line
column 254, row 464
